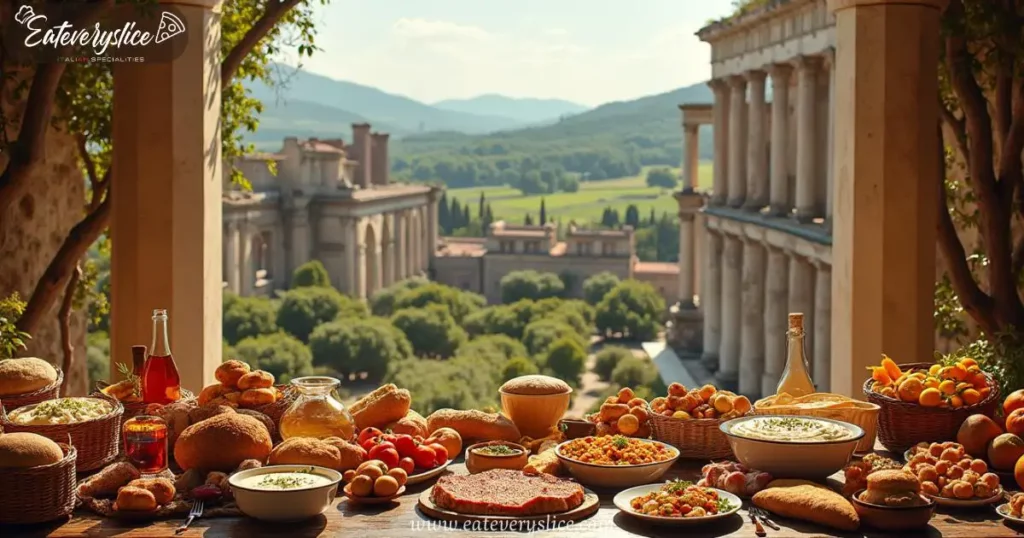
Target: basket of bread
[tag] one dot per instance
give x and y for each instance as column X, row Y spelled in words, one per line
column 93, row 423
column 826, row 405
column 37, row 477
column 689, row 420
column 926, row 401
column 27, row 381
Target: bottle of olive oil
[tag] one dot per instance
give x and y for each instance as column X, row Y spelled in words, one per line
column 795, row 379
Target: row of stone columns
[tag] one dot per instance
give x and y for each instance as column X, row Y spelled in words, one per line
column 749, row 288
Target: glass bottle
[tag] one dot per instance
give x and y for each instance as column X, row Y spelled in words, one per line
column 316, row 412
column 795, row 380
column 138, row 360
column 160, row 381
column 145, row 443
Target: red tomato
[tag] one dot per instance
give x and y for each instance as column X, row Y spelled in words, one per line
column 383, row 445
column 424, row 457
column 390, row 436
column 408, row 464
column 405, row 445
column 388, row 455
column 440, row 453
column 368, row 433
column 369, row 443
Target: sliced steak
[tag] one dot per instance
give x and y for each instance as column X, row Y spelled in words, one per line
column 503, row 492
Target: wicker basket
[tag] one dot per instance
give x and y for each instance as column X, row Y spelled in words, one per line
column 39, row 494
column 698, row 438
column 97, row 441
column 866, row 417
column 276, row 409
column 902, row 425
column 134, row 409
column 49, row 392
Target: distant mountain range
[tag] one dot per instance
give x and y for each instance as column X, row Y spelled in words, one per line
column 523, row 110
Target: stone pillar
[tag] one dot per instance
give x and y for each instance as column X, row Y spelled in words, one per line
column 711, row 299
column 353, row 270
column 830, row 184
column 232, row 258
column 822, row 327
column 737, row 141
column 801, row 297
column 247, row 270
column 752, row 339
column 779, row 199
column 757, row 170
column 776, row 310
column 300, row 240
column 401, row 269
column 720, row 170
column 727, row 376
column 806, row 204
column 431, row 228
column 387, row 255
column 883, row 253
column 689, row 205
column 166, row 220
column 691, row 156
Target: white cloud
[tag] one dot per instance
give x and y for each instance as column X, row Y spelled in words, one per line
column 436, row 30
column 556, row 32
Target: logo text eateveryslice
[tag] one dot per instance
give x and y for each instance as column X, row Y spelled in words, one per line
column 63, row 35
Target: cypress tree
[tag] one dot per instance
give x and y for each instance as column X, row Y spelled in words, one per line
column 543, row 213
column 456, row 214
column 528, row 220
column 444, row 215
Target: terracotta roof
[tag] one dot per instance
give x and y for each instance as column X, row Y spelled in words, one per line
column 663, row 268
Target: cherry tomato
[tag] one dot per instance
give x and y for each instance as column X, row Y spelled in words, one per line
column 390, row 437
column 379, row 447
column 440, row 454
column 368, row 433
column 424, row 457
column 369, row 443
column 388, row 455
column 405, row 445
column 408, row 464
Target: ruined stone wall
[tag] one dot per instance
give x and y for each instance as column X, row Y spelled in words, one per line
column 34, row 228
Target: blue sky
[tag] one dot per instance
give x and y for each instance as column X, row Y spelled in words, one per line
column 588, row 51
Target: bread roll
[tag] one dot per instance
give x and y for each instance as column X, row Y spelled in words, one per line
column 161, row 488
column 212, row 392
column 809, row 502
column 892, row 488
column 222, row 442
column 473, row 424
column 266, row 420
column 258, row 379
column 23, row 450
column 257, row 397
column 535, row 385
column 133, row 499
column 412, row 423
column 230, row 372
column 382, row 406
column 306, row 451
column 20, row 376
column 351, row 454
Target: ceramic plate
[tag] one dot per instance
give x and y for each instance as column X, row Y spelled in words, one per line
column 968, row 503
column 1004, row 511
column 623, row 498
column 427, row 475
column 371, row 500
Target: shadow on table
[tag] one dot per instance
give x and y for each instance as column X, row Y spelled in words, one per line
column 641, row 527
column 251, row 527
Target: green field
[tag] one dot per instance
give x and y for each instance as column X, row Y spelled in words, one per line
column 583, row 206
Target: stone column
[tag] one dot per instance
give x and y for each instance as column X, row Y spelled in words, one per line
column 353, row 269
column 780, row 139
column 801, row 297
column 232, row 258
column 737, row 141
column 806, row 204
column 166, row 221
column 401, row 269
column 711, row 299
column 691, row 156
column 248, row 267
column 689, row 205
column 884, row 220
column 727, row 376
column 300, row 238
column 822, row 327
column 830, row 187
column 752, row 339
column 720, row 170
column 776, row 310
column 387, row 255
column 432, row 233
column 757, row 169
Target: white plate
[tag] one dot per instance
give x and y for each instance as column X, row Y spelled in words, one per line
column 1004, row 511
column 427, row 475
column 623, row 498
column 968, row 503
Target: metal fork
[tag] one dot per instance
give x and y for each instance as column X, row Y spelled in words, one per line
column 763, row 516
column 195, row 512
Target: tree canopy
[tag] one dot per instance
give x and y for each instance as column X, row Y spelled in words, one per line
column 311, row 274
column 281, row 354
column 597, row 286
column 302, row 309
column 530, row 284
column 662, row 177
column 361, row 345
column 248, row 316
column 432, row 330
column 632, row 309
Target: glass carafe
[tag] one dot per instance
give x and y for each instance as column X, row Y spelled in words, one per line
column 316, row 412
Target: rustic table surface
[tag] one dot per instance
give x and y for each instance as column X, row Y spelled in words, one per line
column 402, row 518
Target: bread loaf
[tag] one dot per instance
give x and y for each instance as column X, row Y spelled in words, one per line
column 222, row 442
column 808, row 501
column 21, row 376
column 473, row 424
column 382, row 406
column 23, row 450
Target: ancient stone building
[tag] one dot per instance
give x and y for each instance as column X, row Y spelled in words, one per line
column 331, row 202
column 478, row 264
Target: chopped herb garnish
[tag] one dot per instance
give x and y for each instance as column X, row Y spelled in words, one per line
column 620, row 442
column 676, row 486
column 499, row 450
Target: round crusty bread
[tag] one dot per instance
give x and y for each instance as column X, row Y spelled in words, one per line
column 892, row 481
column 222, row 442
column 19, row 376
column 535, row 385
column 22, row 450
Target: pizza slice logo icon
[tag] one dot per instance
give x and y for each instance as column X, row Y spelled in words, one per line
column 170, row 26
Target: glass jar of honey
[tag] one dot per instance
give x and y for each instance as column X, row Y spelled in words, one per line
column 145, row 443
column 317, row 412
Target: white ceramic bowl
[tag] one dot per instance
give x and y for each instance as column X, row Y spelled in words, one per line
column 285, row 505
column 793, row 459
column 617, row 476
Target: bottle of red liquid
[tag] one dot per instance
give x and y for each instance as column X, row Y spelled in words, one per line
column 160, row 381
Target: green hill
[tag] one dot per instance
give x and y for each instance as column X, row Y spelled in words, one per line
column 525, row 110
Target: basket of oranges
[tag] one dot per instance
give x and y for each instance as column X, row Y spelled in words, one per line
column 926, row 402
column 689, row 420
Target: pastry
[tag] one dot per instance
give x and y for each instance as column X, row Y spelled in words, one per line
column 799, row 499
column 382, row 406
column 212, row 392
column 230, row 372
column 893, row 488
column 258, row 379
column 162, row 489
column 545, row 462
column 257, row 397
column 133, row 499
column 21, row 376
column 306, row 451
column 108, row 480
column 412, row 423
column 473, row 424
column 222, row 442
column 22, row 450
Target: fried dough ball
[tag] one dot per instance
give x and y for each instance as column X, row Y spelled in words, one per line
column 230, row 372
column 133, row 499
column 212, row 392
column 108, row 480
column 161, row 488
column 258, row 379
column 258, row 397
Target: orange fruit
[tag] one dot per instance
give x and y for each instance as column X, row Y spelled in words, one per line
column 910, row 390
column 930, row 397
column 1015, row 422
column 957, row 372
column 1018, row 472
column 971, row 396
column 968, row 362
column 1013, row 402
column 948, row 386
column 880, row 375
column 956, row 402
column 934, row 369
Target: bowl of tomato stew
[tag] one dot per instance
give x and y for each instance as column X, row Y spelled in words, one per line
column 616, row 461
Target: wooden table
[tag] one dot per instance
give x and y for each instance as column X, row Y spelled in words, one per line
column 403, row 519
